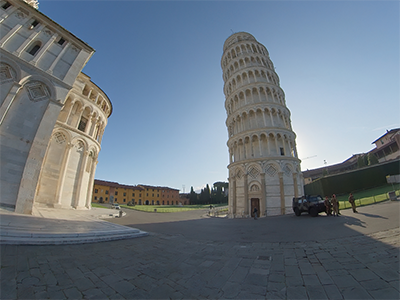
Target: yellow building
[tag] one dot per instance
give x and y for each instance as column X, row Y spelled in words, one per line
column 113, row 192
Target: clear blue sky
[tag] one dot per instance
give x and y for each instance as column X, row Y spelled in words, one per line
column 159, row 63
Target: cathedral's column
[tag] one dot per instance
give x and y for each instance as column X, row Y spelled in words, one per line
column 282, row 192
column 63, row 51
column 263, row 200
column 63, row 173
column 296, row 189
column 272, row 118
column 246, row 199
column 232, row 195
column 11, row 33
column 101, row 131
column 265, row 120
column 89, row 123
column 93, row 126
column 80, row 186
column 78, row 119
column 91, row 180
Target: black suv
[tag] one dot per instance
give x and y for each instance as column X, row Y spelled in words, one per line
column 311, row 204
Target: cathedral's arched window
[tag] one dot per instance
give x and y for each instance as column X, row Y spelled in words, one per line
column 82, row 124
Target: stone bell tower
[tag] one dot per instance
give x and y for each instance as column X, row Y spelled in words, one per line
column 264, row 169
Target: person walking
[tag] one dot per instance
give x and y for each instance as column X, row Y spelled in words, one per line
column 338, row 204
column 353, row 203
column 335, row 205
column 328, row 207
column 255, row 213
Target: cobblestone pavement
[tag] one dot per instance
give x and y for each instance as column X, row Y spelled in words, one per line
column 172, row 266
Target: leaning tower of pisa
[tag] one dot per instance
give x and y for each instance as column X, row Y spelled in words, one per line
column 264, row 169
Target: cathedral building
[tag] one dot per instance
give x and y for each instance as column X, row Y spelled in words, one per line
column 264, row 169
column 52, row 116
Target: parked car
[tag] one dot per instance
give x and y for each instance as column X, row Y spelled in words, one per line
column 115, row 206
column 311, row 204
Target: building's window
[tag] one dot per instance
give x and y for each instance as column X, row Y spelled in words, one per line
column 152, row 202
column 115, row 200
column 82, row 124
column 61, row 41
column 6, row 5
column 167, row 202
column 158, row 195
column 140, row 201
column 124, row 194
column 147, row 194
column 133, row 201
column 140, row 195
column 133, row 194
column 106, row 199
column 158, row 202
column 34, row 24
column 116, row 193
column 163, row 202
column 106, row 192
column 152, row 195
column 96, row 191
column 34, row 49
column 282, row 151
column 124, row 200
column 95, row 198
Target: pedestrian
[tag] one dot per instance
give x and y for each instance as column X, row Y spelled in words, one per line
column 335, row 205
column 338, row 204
column 255, row 213
column 353, row 203
column 328, row 208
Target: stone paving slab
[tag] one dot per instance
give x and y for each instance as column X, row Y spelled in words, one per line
column 175, row 266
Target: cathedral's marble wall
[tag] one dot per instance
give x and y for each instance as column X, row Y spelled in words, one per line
column 36, row 39
column 39, row 64
column 69, row 166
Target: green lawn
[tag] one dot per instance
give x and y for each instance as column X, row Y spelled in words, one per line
column 370, row 196
column 168, row 208
column 100, row 205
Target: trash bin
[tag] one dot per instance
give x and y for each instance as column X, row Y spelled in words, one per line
column 392, row 195
column 155, row 210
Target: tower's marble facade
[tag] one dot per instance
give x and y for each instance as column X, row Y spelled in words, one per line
column 264, row 169
column 52, row 116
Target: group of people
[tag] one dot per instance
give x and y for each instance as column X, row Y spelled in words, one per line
column 332, row 205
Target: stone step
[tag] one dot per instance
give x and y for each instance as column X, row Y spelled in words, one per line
column 13, row 237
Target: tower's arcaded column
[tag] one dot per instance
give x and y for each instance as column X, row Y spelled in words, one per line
column 264, row 169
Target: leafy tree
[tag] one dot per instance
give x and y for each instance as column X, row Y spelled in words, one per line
column 193, row 196
column 361, row 161
column 372, row 159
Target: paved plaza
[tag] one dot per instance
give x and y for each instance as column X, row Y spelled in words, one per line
column 190, row 256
